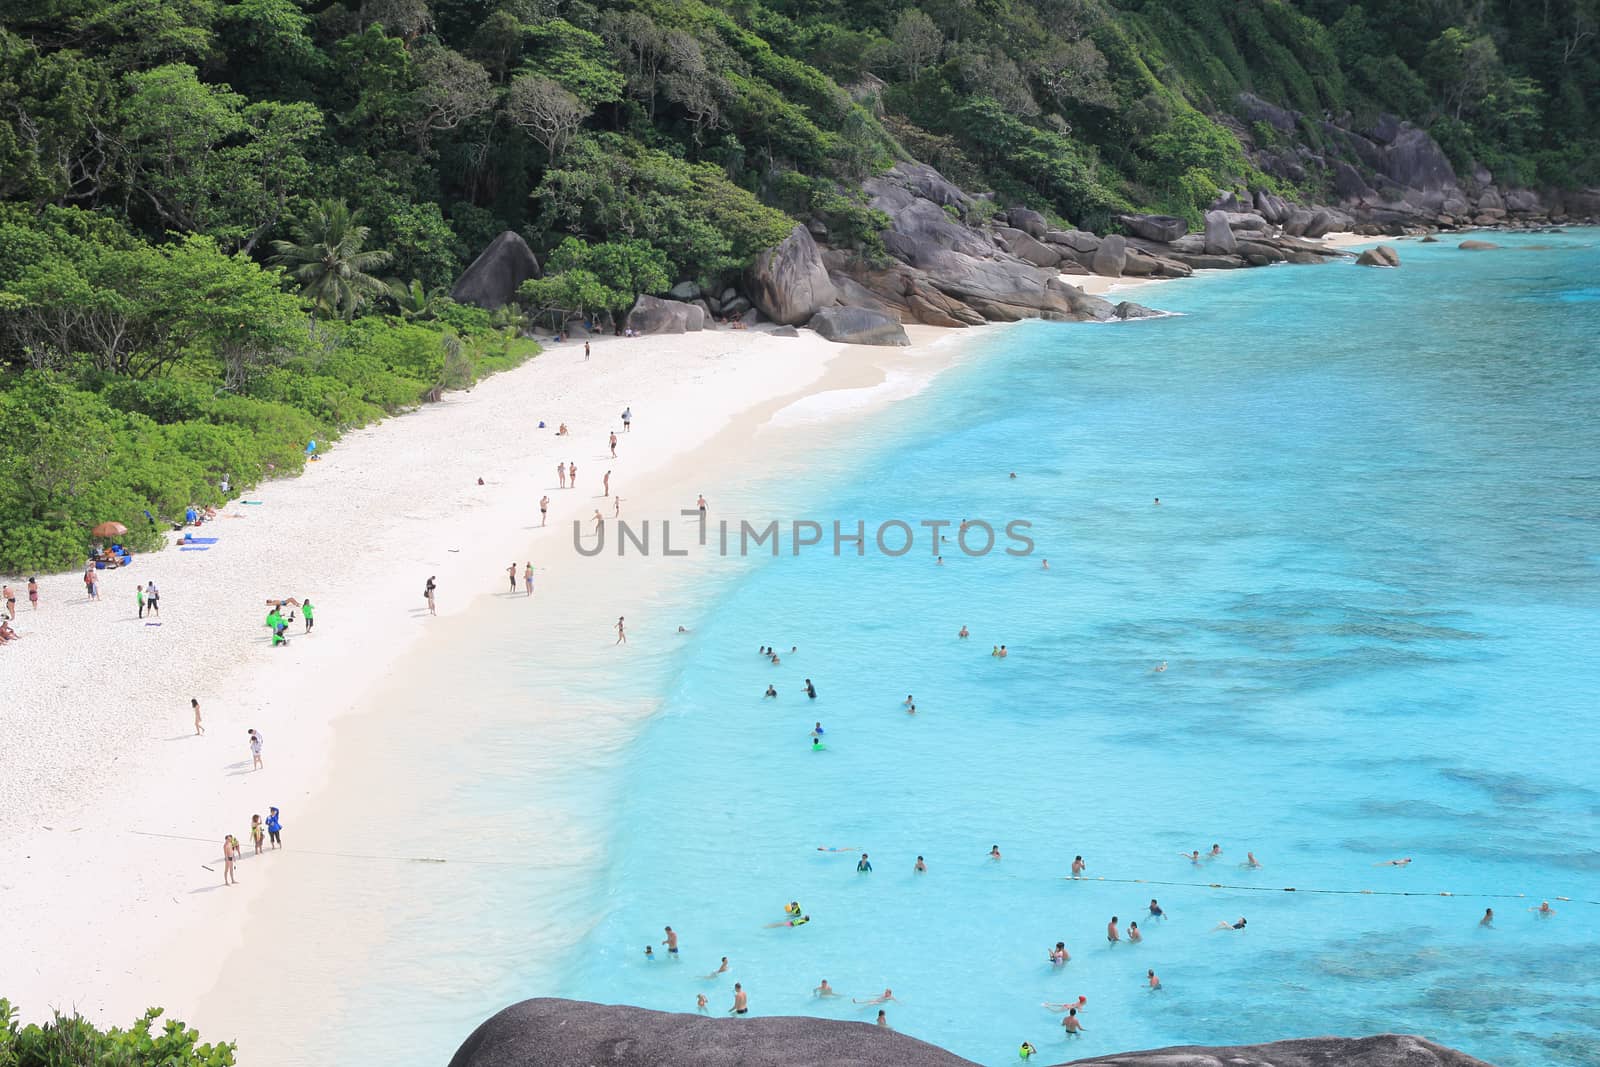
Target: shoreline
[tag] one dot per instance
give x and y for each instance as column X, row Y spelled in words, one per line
column 123, row 848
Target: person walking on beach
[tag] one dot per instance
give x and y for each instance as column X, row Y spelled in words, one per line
column 10, row 599
column 199, row 730
column 527, row 577
column 605, row 484
column 627, row 419
column 622, row 634
column 152, row 599
column 613, row 444
column 572, row 474
column 599, row 523
column 275, row 827
column 89, row 584
column 544, row 508
column 255, row 751
column 258, row 833
column 561, row 474
column 511, row 575
column 33, row 594
column 138, row 596
column 586, row 350
column 427, row 594
column 701, row 504
column 307, row 614
column 227, row 861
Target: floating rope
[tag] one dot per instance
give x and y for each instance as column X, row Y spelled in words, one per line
column 1326, row 892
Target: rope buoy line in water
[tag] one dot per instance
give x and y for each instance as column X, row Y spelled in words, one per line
column 1328, row 892
column 1113, row 881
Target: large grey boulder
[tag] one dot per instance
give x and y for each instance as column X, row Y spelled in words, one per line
column 570, row 1033
column 1163, row 228
column 1077, row 240
column 1026, row 247
column 651, row 314
column 1379, row 256
column 1029, row 221
column 684, row 291
column 1219, row 235
column 492, row 279
column 789, row 283
column 858, row 326
column 1109, row 257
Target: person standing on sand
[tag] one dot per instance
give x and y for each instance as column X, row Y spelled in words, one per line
column 307, row 614
column 613, row 444
column 33, row 594
column 427, row 594
column 627, row 419
column 258, row 832
column 561, row 474
column 622, row 634
column 199, row 731
column 138, row 596
column 527, row 576
column 701, row 504
column 572, row 474
column 227, row 861
column 616, row 510
column 599, row 523
column 152, row 599
column 10, row 599
column 544, row 509
column 586, row 350
column 255, row 751
column 511, row 575
column 605, row 485
column 88, row 582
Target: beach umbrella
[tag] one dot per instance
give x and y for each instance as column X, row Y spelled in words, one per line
column 109, row 529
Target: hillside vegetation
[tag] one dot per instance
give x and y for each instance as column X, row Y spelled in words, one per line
column 226, row 226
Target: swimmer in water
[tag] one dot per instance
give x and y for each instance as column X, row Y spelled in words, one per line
column 995, row 651
column 1059, row 954
column 883, row 1018
column 1488, row 917
column 818, row 731
column 1078, row 866
column 1111, row 931
column 1393, row 863
column 1155, row 910
column 1192, row 857
column 1159, row 667
column 1002, row 651
column 671, row 942
column 771, row 692
column 1072, row 1005
column 1026, row 1050
column 864, row 867
column 1226, row 925
column 720, row 970
column 883, row 998
column 911, row 709
column 801, row 921
column 1046, row 565
column 963, row 634
column 826, row 848
column 909, row 701
column 994, row 852
column 1216, row 850
column 1013, row 474
column 1071, row 1024
column 816, row 743
column 1151, row 980
column 1250, row 861
column 811, row 690
column 775, row 659
column 939, row 560
column 824, row 990
column 1133, row 933
column 1544, row 910
column 649, row 953
column 792, row 908
column 1158, row 502
column 919, row 867
column 700, row 1003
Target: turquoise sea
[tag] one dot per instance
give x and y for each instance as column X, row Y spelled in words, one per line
column 1374, row 579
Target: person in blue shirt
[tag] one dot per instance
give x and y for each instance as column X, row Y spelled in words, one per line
column 274, row 826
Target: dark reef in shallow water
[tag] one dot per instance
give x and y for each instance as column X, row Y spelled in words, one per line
column 572, row 1033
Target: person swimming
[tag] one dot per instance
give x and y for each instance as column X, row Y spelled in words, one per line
column 963, row 634
column 1133, row 933
column 1155, row 910
column 1226, row 925
column 1072, row 1005
column 720, row 970
column 824, row 990
column 1025, row 1050
column 919, row 867
column 792, row 908
column 818, row 731
column 883, row 998
column 1488, row 917
column 1544, row 910
column 1151, row 980
column 864, row 867
column 771, row 692
column 1216, row 850
column 1393, row 863
column 1111, row 931
column 994, row 852
column 799, row 921
column 816, row 744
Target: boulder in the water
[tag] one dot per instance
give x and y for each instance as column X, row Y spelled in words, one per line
column 1379, row 256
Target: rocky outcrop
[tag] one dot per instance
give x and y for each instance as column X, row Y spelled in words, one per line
column 1163, row 228
column 1477, row 246
column 789, row 283
column 492, row 279
column 1109, row 257
column 651, row 314
column 1219, row 240
column 1381, row 256
column 858, row 326
column 1030, row 222
column 1026, row 247
column 555, row 1033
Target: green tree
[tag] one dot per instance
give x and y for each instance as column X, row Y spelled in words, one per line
column 73, row 1039
column 329, row 258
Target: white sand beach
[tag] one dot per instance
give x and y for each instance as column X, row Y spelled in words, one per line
column 112, row 810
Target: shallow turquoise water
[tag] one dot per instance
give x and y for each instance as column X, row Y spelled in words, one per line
column 1374, row 577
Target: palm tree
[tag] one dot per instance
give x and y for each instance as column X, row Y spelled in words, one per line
column 414, row 301
column 327, row 259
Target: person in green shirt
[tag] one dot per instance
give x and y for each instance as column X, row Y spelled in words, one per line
column 138, row 592
column 306, row 614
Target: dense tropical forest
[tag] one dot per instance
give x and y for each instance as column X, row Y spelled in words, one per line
column 227, row 227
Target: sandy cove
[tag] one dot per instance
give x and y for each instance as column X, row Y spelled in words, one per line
column 100, row 749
